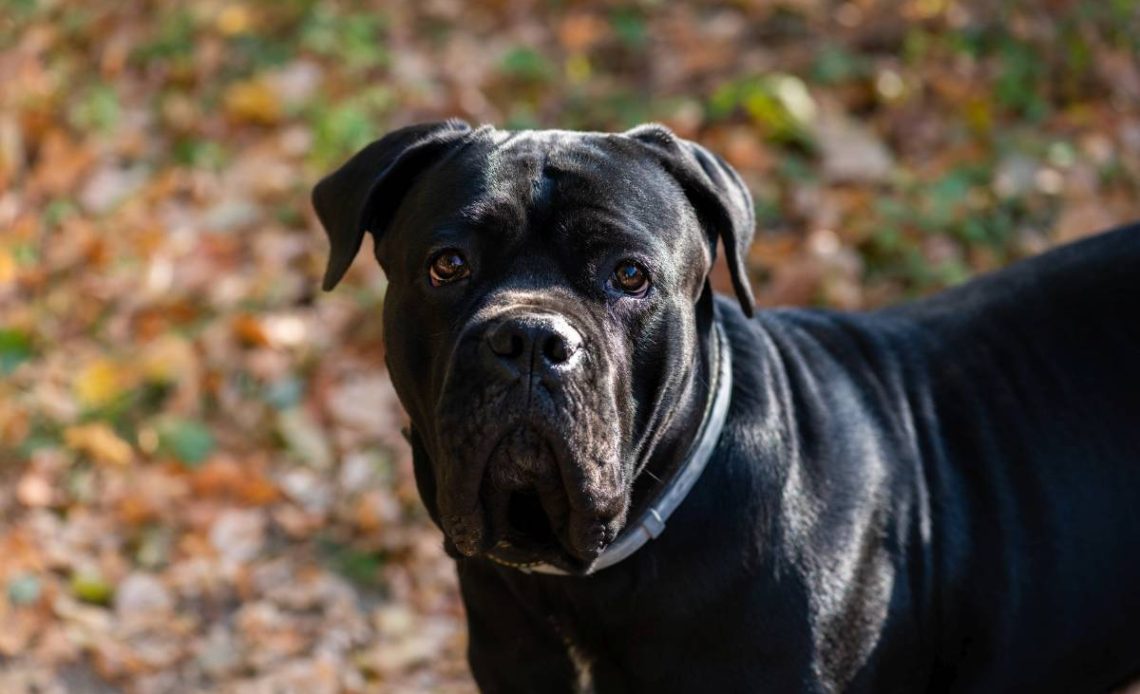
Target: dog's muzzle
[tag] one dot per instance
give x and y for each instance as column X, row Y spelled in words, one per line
column 536, row 440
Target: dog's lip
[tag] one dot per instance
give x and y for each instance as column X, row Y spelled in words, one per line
column 513, row 540
column 580, row 534
column 508, row 554
column 515, row 549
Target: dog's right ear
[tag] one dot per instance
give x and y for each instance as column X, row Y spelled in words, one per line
column 717, row 193
column 364, row 193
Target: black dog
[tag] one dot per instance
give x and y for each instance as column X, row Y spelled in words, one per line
column 942, row 496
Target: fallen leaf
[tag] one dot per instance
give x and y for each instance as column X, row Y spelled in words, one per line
column 167, row 359
column 304, row 437
column 252, row 101
column 238, row 535
column 24, row 589
column 249, row 331
column 8, row 268
column 234, row 19
column 100, row 382
column 15, row 345
column 142, row 595
column 188, row 441
column 91, row 587
column 851, row 151
column 34, row 490
column 100, row 442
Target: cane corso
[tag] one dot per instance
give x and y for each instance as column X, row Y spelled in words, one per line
column 647, row 488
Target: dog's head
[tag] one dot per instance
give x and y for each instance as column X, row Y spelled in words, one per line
column 540, row 318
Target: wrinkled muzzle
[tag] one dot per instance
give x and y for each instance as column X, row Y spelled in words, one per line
column 529, row 442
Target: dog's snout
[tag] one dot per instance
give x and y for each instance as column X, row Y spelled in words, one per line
column 519, row 339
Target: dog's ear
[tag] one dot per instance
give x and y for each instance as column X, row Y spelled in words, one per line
column 364, row 193
column 718, row 195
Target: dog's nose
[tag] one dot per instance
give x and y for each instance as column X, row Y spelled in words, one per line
column 517, row 340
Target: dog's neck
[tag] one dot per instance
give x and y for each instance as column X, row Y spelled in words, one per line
column 672, row 444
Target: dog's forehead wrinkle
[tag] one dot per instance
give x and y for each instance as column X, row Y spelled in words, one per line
column 585, row 159
column 598, row 227
column 497, row 213
column 574, row 195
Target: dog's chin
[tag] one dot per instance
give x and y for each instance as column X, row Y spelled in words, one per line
column 527, row 557
column 532, row 539
column 526, row 507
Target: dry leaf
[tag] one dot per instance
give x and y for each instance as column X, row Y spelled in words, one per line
column 99, row 383
column 253, row 101
column 100, row 442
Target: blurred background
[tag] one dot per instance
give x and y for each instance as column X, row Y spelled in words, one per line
column 202, row 481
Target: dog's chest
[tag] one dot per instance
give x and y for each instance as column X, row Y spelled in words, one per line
column 582, row 661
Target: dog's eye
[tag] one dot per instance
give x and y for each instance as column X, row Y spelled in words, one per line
column 630, row 278
column 447, row 266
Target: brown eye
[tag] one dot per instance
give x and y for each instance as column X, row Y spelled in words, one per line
column 630, row 278
column 448, row 265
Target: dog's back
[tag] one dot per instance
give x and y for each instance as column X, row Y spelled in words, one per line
column 1030, row 431
column 997, row 426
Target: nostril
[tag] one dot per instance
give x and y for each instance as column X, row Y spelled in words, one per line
column 506, row 343
column 558, row 348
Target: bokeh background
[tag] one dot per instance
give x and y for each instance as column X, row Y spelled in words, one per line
column 202, row 482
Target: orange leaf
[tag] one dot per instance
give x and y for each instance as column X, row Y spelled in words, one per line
column 249, row 331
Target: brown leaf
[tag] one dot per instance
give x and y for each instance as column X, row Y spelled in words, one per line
column 252, row 101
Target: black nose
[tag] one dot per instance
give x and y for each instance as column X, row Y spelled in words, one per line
column 518, row 340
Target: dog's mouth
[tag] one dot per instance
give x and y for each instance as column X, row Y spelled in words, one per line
column 528, row 526
column 531, row 537
column 528, row 515
column 533, row 487
column 524, row 496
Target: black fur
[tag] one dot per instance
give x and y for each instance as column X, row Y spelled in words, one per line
column 941, row 496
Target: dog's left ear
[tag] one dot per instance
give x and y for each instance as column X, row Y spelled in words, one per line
column 364, row 193
column 718, row 195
